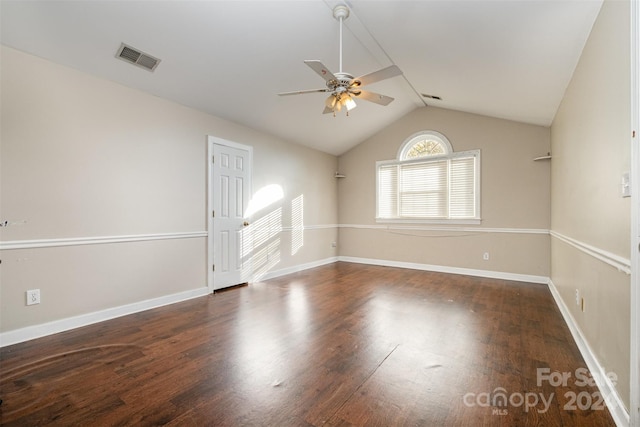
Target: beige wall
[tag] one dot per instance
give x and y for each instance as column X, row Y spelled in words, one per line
column 515, row 196
column 590, row 139
column 83, row 157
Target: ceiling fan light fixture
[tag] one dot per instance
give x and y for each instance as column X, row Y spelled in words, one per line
column 331, row 101
column 349, row 103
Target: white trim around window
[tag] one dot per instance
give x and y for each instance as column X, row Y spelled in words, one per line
column 398, row 202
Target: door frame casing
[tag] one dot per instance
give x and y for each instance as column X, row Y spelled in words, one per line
column 211, row 140
column 634, row 409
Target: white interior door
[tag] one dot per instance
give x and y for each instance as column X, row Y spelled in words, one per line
column 229, row 191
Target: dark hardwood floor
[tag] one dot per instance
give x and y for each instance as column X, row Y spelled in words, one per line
column 340, row 345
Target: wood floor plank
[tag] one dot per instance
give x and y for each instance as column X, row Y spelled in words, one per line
column 340, row 345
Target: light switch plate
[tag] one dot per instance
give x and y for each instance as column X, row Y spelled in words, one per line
column 626, row 185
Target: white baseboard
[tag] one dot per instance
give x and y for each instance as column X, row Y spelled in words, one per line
column 49, row 328
column 452, row 270
column 295, row 269
column 607, row 389
column 614, row 403
column 37, row 331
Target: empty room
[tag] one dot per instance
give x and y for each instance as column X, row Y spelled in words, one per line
column 319, row 213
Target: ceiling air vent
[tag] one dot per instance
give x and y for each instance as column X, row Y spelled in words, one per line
column 431, row 96
column 137, row 57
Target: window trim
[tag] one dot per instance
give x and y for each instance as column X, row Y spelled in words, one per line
column 452, row 155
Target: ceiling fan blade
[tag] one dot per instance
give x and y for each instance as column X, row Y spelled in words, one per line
column 376, row 76
column 373, row 97
column 319, row 68
column 299, row 92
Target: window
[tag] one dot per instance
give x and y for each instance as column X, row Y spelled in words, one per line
column 429, row 182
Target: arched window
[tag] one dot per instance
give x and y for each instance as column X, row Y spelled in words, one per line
column 429, row 182
column 426, row 143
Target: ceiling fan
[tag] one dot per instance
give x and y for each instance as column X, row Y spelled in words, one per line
column 343, row 87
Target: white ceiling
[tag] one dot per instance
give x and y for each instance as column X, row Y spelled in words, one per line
column 510, row 59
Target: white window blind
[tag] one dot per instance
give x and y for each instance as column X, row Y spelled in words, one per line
column 440, row 188
column 462, row 197
column 387, row 191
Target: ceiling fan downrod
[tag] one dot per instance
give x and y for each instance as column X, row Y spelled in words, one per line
column 341, row 12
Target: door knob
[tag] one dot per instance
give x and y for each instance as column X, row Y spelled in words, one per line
column 245, row 223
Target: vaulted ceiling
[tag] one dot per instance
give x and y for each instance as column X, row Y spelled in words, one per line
column 510, row 59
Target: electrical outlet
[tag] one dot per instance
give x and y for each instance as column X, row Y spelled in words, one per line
column 577, row 297
column 33, row 296
column 334, row 244
column 485, row 256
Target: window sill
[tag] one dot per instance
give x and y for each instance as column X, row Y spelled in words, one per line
column 473, row 221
